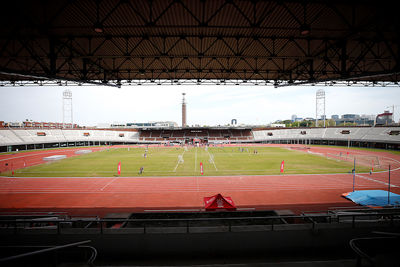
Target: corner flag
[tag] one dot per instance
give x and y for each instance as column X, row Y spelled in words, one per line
column 201, row 168
column 119, row 168
column 282, row 166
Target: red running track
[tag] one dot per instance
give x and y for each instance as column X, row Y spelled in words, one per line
column 98, row 196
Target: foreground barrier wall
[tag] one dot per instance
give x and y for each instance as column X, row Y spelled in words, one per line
column 245, row 240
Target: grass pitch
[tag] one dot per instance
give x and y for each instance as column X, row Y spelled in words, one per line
column 165, row 161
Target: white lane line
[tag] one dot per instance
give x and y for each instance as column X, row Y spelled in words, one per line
column 376, row 181
column 195, row 160
column 178, row 161
column 212, row 160
column 108, row 183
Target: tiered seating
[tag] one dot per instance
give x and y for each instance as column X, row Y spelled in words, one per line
column 18, row 137
column 145, row 134
column 155, row 133
column 367, row 134
column 7, row 137
column 131, row 136
column 58, row 135
column 190, row 134
column 345, row 133
column 370, row 134
column 25, row 135
column 246, row 133
column 382, row 134
column 259, row 135
column 236, row 133
column 178, row 134
column 214, row 133
column 74, row 135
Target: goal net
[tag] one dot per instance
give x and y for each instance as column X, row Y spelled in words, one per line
column 366, row 160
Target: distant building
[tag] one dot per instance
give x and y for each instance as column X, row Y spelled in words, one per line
column 368, row 117
column 40, row 125
column 118, row 125
column 385, row 118
column 278, row 125
column 350, row 116
column 152, row 124
column 294, row 117
column 104, row 125
column 335, row 117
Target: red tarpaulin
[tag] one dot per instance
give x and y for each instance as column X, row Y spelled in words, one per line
column 219, row 202
column 282, row 166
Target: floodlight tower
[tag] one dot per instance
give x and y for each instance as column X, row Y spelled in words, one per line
column 67, row 108
column 320, row 106
column 183, row 110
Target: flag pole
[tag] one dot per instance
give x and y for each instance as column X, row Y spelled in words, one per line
column 389, row 187
column 354, row 173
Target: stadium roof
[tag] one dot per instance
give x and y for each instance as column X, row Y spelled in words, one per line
column 118, row 41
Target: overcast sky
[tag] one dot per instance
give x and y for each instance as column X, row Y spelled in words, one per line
column 206, row 104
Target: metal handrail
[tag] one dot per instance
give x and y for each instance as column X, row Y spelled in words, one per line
column 335, row 210
column 352, row 216
column 53, row 248
column 159, row 220
column 361, row 254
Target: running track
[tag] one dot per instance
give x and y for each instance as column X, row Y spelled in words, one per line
column 99, row 196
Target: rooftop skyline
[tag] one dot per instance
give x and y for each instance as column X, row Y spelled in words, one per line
column 206, row 105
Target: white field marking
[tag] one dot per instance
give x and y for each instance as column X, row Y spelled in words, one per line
column 376, row 181
column 178, row 161
column 239, row 175
column 215, row 177
column 195, row 160
column 108, row 183
column 392, row 169
column 212, row 160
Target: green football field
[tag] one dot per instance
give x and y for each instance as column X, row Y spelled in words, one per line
column 174, row 161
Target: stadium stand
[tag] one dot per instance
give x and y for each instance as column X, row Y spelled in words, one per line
column 206, row 135
column 382, row 133
column 386, row 137
column 9, row 137
column 383, row 137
